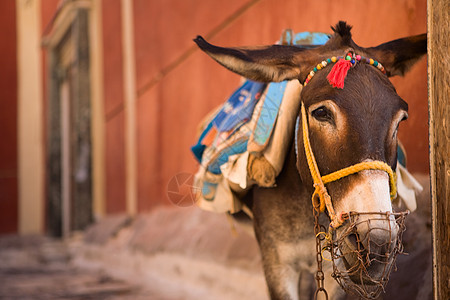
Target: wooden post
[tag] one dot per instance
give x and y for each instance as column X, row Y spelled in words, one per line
column 439, row 112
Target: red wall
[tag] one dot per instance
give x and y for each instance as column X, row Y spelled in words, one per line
column 177, row 85
column 114, row 107
column 8, row 119
column 168, row 111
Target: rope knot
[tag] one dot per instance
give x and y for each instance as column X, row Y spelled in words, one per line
column 338, row 73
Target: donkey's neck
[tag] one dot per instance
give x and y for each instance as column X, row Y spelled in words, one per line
column 286, row 209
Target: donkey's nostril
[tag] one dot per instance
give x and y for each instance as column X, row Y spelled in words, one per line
column 355, row 242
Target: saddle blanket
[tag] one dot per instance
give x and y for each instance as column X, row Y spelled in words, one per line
column 245, row 141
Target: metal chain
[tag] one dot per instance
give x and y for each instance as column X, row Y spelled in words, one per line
column 319, row 274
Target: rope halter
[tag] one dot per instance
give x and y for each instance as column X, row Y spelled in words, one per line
column 320, row 198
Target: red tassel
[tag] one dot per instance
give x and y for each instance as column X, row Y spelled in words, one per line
column 337, row 75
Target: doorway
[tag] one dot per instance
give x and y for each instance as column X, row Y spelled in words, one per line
column 69, row 162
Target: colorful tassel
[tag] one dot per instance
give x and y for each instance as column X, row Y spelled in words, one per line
column 338, row 73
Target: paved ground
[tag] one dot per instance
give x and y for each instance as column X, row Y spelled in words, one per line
column 114, row 260
column 40, row 268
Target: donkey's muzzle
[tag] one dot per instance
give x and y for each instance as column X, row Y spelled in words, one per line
column 364, row 250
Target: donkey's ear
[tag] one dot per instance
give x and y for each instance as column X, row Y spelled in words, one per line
column 266, row 64
column 400, row 55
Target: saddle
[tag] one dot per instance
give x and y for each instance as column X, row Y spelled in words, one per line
column 244, row 142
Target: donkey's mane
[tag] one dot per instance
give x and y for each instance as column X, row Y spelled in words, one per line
column 342, row 37
column 343, row 30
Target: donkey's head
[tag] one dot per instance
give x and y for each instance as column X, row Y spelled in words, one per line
column 347, row 126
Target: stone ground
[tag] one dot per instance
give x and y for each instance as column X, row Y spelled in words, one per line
column 35, row 267
column 116, row 259
column 173, row 254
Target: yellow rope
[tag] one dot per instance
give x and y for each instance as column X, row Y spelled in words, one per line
column 318, row 184
column 323, row 257
column 320, row 181
column 369, row 165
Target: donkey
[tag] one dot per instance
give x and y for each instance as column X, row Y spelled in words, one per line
column 351, row 124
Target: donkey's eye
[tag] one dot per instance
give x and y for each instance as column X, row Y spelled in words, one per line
column 322, row 114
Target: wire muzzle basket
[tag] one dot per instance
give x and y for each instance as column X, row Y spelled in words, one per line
column 364, row 250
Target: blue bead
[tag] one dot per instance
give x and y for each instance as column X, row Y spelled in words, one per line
column 328, row 60
column 375, row 63
column 315, row 69
column 352, row 61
